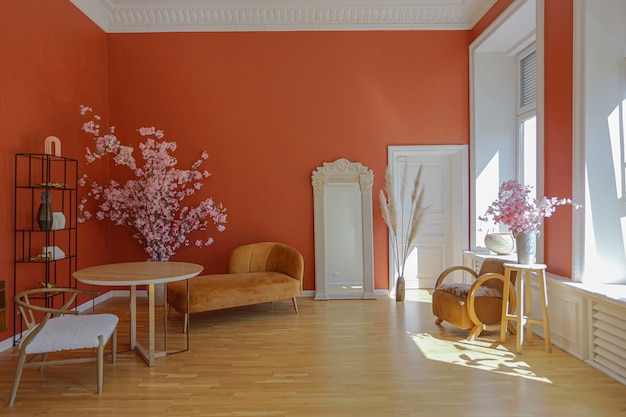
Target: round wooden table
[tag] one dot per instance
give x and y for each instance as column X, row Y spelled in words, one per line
column 141, row 273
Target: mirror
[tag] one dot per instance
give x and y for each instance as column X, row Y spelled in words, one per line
column 344, row 249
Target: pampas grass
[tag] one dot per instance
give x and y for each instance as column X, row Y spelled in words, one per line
column 393, row 214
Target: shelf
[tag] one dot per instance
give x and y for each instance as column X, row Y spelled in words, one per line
column 55, row 178
column 41, row 187
column 66, row 229
column 28, row 261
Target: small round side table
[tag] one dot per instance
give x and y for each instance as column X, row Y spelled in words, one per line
column 523, row 315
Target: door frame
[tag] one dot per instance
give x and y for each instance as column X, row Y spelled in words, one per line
column 459, row 198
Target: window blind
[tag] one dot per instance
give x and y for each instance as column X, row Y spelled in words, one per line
column 528, row 79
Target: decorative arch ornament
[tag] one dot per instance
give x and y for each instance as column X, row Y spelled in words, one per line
column 344, row 248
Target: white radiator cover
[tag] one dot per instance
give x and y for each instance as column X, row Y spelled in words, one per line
column 607, row 338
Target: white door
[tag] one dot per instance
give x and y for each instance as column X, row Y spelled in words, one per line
column 442, row 236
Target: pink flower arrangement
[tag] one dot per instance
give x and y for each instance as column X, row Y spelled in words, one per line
column 514, row 209
column 150, row 203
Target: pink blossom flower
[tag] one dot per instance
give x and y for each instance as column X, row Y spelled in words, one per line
column 513, row 208
column 150, row 203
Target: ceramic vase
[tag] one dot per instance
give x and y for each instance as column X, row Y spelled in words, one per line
column 44, row 213
column 400, row 290
column 526, row 247
column 500, row 243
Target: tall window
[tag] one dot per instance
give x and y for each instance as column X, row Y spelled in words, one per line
column 504, row 130
column 527, row 118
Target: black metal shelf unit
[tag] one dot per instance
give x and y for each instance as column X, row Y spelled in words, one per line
column 44, row 252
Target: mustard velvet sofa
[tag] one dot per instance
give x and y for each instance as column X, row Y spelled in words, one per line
column 256, row 273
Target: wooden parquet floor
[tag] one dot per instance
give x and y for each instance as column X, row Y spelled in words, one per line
column 335, row 358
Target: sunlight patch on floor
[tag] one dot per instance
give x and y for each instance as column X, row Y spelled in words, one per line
column 420, row 295
column 477, row 354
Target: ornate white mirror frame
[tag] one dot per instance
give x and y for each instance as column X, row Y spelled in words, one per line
column 344, row 247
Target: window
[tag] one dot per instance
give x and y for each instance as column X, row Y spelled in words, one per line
column 528, row 79
column 527, row 119
column 504, row 128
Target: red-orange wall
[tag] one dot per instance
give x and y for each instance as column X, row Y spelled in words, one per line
column 558, row 64
column 558, row 131
column 271, row 107
column 268, row 107
column 52, row 58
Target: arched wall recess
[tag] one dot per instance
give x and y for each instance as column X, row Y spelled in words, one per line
column 344, row 248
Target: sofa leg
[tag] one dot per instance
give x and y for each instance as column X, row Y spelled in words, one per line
column 295, row 304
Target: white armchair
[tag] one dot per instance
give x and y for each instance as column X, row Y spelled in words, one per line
column 61, row 329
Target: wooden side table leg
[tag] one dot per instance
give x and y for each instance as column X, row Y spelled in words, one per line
column 544, row 306
column 505, row 304
column 529, row 304
column 520, row 310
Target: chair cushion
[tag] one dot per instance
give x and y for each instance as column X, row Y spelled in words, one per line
column 72, row 332
column 462, row 290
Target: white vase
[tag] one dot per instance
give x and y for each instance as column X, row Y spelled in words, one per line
column 500, row 243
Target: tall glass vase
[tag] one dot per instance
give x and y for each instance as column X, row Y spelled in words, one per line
column 526, row 247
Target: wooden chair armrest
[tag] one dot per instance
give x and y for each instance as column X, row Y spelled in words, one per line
column 471, row 296
column 22, row 299
column 448, row 271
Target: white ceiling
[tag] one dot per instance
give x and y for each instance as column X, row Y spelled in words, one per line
column 123, row 16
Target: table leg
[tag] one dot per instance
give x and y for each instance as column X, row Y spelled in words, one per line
column 187, row 319
column 133, row 317
column 149, row 355
column 544, row 305
column 528, row 310
column 165, row 314
column 151, row 325
column 505, row 304
column 520, row 311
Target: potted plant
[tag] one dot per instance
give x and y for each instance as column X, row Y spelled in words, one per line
column 150, row 202
column 523, row 217
column 403, row 226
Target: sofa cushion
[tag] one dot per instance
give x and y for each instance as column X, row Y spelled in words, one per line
column 214, row 292
column 266, row 256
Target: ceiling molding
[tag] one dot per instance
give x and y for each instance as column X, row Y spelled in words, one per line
column 115, row 16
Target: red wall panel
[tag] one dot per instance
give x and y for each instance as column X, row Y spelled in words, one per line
column 53, row 59
column 558, row 144
column 271, row 107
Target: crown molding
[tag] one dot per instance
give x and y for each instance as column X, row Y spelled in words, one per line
column 114, row 16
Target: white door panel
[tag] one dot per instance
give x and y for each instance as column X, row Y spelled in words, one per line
column 441, row 238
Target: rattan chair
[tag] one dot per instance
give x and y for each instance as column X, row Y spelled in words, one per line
column 61, row 329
